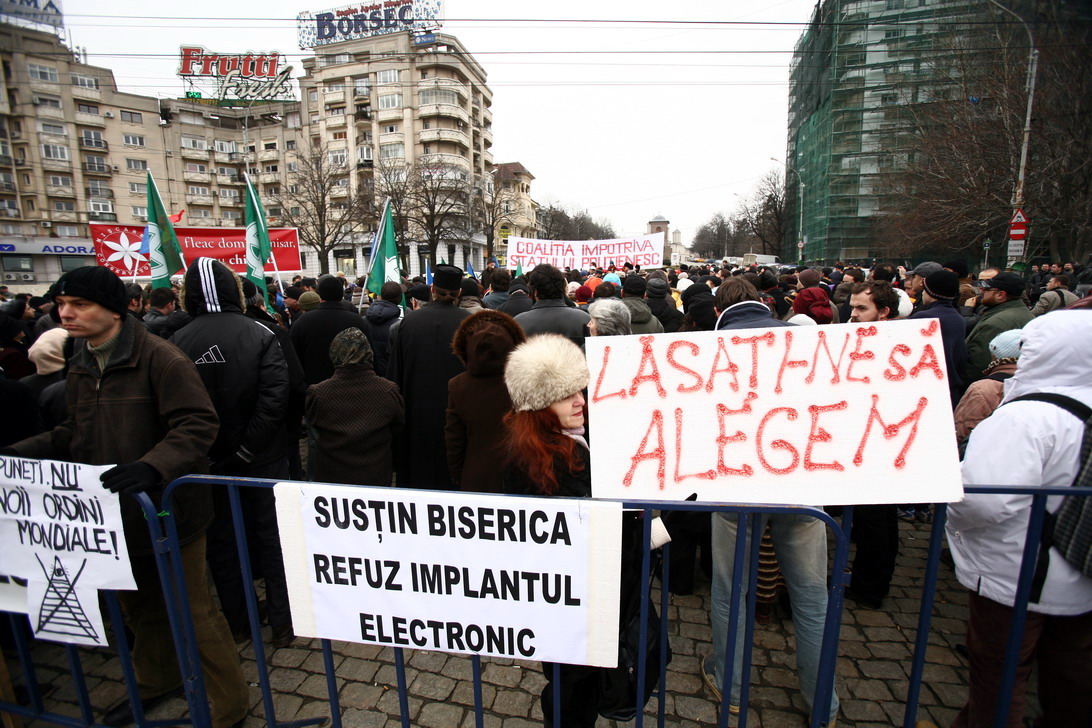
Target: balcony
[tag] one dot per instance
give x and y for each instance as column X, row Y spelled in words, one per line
column 333, row 97
column 443, row 135
column 10, row 212
column 231, row 201
column 82, row 117
column 10, row 187
column 100, row 192
column 266, row 155
column 487, row 137
column 335, row 121
column 393, row 137
column 229, row 179
column 449, row 110
column 362, row 117
column 102, row 216
column 191, row 153
column 61, row 216
column 196, row 177
column 56, row 164
column 362, row 92
column 48, row 112
column 198, row 221
column 452, row 159
column 6, row 160
column 102, row 169
column 226, row 157
column 339, row 191
column 388, row 115
column 83, row 92
column 92, row 143
column 363, row 139
column 269, row 178
column 199, row 199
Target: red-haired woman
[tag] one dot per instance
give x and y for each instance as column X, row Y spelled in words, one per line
column 548, row 455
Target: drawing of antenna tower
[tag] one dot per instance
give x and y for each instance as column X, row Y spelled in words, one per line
column 61, row 612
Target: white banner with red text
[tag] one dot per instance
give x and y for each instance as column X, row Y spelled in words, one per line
column 117, row 247
column 646, row 251
column 812, row 415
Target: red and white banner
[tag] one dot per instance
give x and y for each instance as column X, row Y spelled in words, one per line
column 819, row 415
column 646, row 251
column 117, row 247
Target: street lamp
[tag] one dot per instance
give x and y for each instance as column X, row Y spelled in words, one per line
column 800, row 222
column 1033, row 67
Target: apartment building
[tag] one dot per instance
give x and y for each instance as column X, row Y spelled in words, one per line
column 519, row 211
column 402, row 99
column 75, row 150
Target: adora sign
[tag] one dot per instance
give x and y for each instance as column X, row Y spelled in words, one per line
column 246, row 77
column 117, row 247
column 365, row 20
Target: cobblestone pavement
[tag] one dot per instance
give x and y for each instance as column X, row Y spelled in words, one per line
column 873, row 670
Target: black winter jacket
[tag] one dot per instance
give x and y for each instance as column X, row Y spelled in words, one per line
column 381, row 315
column 313, row 332
column 240, row 364
column 664, row 309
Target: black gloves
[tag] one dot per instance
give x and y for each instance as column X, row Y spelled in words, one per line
column 134, row 477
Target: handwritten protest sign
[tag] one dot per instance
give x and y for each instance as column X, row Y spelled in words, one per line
column 523, row 578
column 850, row 413
column 646, row 251
column 61, row 531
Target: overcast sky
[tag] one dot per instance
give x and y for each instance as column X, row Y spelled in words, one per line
column 675, row 119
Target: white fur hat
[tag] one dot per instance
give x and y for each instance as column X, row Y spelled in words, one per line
column 544, row 369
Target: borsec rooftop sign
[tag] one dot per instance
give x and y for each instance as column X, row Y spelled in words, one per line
column 367, row 19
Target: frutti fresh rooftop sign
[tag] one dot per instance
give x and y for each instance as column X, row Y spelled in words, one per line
column 364, row 20
column 243, row 77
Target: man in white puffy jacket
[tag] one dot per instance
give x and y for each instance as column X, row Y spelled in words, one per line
column 1027, row 443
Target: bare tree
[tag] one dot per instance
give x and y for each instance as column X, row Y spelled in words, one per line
column 440, row 210
column 956, row 187
column 321, row 204
column 763, row 214
column 393, row 180
column 491, row 208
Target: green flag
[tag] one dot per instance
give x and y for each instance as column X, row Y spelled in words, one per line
column 258, row 247
column 164, row 251
column 519, row 268
column 384, row 254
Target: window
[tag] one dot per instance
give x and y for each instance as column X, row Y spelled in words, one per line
column 252, row 170
column 391, row 151
column 139, row 211
column 361, row 87
column 426, row 125
column 133, row 140
column 292, row 120
column 314, row 118
column 390, row 76
column 273, row 211
column 363, row 154
column 87, row 108
column 60, row 180
column 79, row 79
column 341, row 182
column 196, row 167
column 64, row 205
column 69, row 231
column 428, row 149
column 89, row 138
column 227, row 147
column 197, row 190
column 231, row 214
column 271, row 169
column 136, row 165
column 95, row 164
column 390, row 101
column 227, row 171
column 190, row 117
column 424, row 75
column 290, row 145
column 892, row 34
column 336, row 111
column 97, row 188
column 194, row 143
column 335, row 59
column 338, row 157
column 201, row 213
column 51, row 101
column 47, row 128
column 312, row 95
column 273, row 190
column 42, row 73
column 17, row 263
column 269, row 145
column 293, row 189
column 54, row 151
column 229, row 194
column 294, row 211
column 100, row 206
column 138, row 188
column 133, row 117
column 339, row 135
column 439, row 96
column 334, row 87
column 292, row 166
column 390, row 128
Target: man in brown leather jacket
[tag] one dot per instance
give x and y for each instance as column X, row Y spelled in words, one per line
column 135, row 400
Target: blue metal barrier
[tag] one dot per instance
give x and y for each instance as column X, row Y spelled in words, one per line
column 168, row 558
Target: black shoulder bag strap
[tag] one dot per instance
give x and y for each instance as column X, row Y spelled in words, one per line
column 1083, row 412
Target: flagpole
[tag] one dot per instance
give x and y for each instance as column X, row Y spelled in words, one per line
column 181, row 254
column 371, row 255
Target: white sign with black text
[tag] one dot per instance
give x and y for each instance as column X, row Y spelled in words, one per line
column 521, row 578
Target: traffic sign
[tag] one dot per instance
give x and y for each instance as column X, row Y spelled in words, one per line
column 1018, row 232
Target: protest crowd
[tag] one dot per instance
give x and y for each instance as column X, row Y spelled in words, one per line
column 479, row 384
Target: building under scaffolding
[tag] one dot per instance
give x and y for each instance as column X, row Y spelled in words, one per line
column 855, row 72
